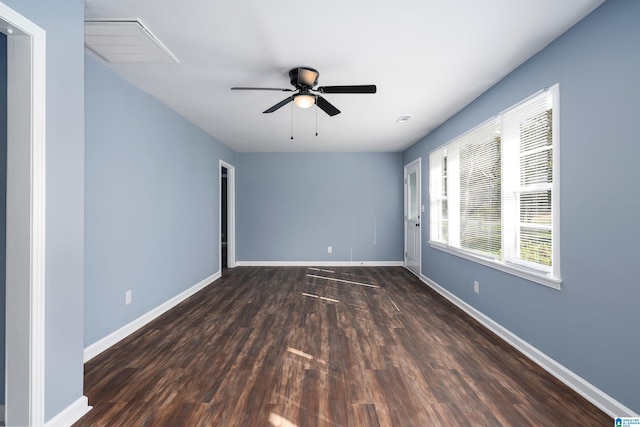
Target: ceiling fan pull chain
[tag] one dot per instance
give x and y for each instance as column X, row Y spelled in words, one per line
column 316, row 116
column 291, row 121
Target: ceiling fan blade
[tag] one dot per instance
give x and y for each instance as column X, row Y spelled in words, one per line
column 262, row 88
column 279, row 105
column 347, row 89
column 326, row 106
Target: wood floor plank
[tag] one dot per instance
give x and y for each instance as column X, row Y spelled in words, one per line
column 322, row 347
column 365, row 415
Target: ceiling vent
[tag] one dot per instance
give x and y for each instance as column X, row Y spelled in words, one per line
column 124, row 41
column 403, row 119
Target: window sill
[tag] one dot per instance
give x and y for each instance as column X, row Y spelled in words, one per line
column 540, row 278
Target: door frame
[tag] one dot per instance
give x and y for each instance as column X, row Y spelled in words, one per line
column 231, row 214
column 26, row 179
column 407, row 167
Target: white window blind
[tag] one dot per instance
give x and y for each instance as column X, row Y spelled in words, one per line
column 494, row 193
column 479, row 198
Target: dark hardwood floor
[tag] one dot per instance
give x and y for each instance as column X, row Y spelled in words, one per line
column 323, row 347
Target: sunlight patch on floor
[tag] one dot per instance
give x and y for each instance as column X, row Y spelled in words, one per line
column 279, row 421
column 320, row 269
column 305, row 355
column 343, row 281
column 319, row 297
column 394, row 304
column 300, row 353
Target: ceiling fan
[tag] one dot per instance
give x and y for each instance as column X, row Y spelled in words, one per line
column 304, row 79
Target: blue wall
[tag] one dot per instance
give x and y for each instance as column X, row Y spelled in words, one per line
column 152, row 184
column 3, row 206
column 63, row 22
column 591, row 325
column 292, row 206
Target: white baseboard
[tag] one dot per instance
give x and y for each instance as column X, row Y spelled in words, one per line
column 98, row 347
column 597, row 397
column 71, row 414
column 319, row 263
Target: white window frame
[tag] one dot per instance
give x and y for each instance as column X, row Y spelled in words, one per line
column 548, row 276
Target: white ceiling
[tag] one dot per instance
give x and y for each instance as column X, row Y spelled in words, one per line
column 428, row 58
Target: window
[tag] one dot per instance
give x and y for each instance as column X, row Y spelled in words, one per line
column 494, row 191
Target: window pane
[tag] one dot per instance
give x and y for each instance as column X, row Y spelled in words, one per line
column 445, row 230
column 445, row 222
column 413, row 196
column 480, row 200
column 536, row 138
column 444, row 176
column 437, row 196
column 536, row 132
column 535, row 207
column 536, row 168
column 535, row 245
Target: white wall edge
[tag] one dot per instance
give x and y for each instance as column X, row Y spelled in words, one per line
column 319, row 263
column 26, row 152
column 597, row 397
column 70, row 414
column 99, row 346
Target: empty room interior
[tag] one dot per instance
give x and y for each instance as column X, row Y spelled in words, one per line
column 337, row 213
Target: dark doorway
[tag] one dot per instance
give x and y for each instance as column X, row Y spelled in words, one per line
column 3, row 214
column 223, row 217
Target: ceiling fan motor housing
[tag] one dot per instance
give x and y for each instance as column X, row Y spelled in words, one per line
column 303, row 77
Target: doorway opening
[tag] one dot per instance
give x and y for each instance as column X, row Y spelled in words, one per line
column 25, row 219
column 223, row 218
column 227, row 215
column 3, row 213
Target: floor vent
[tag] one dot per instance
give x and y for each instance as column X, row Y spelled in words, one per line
column 124, row 41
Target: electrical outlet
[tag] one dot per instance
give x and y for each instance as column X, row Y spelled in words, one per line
column 329, row 250
column 476, row 287
column 127, row 298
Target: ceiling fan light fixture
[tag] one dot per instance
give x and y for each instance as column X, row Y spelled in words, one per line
column 303, row 100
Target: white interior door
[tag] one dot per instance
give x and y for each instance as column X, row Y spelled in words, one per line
column 412, row 214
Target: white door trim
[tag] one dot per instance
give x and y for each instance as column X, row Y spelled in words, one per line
column 407, row 167
column 26, row 179
column 231, row 214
